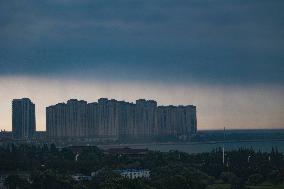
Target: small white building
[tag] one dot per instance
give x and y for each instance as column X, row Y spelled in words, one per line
column 80, row 177
column 133, row 173
column 2, row 181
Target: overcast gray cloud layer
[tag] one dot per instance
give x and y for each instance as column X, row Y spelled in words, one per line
column 223, row 41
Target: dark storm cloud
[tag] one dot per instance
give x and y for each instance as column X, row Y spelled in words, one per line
column 219, row 40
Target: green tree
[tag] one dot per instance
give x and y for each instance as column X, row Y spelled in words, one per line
column 255, row 179
column 15, row 182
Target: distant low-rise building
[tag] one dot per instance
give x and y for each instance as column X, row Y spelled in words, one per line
column 2, row 181
column 80, row 177
column 126, row 151
column 6, row 134
column 133, row 173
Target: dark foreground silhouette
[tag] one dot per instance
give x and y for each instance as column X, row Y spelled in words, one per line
column 47, row 167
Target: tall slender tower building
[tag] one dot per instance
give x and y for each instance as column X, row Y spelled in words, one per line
column 23, row 118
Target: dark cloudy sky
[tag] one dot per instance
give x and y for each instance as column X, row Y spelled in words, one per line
column 225, row 56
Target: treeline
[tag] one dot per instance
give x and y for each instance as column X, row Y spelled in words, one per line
column 50, row 167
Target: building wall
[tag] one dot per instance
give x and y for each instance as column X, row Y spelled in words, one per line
column 119, row 119
column 23, row 119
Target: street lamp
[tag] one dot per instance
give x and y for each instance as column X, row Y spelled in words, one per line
column 249, row 158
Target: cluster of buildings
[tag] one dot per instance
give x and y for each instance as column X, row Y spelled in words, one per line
column 105, row 119
column 133, row 173
column 126, row 173
column 119, row 119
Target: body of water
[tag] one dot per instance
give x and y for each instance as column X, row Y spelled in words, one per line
column 263, row 146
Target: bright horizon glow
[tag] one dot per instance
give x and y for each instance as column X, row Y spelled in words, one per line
column 218, row 106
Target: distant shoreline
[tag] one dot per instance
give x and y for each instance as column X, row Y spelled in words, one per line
column 185, row 143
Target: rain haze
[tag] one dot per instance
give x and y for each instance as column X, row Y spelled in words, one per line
column 225, row 57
